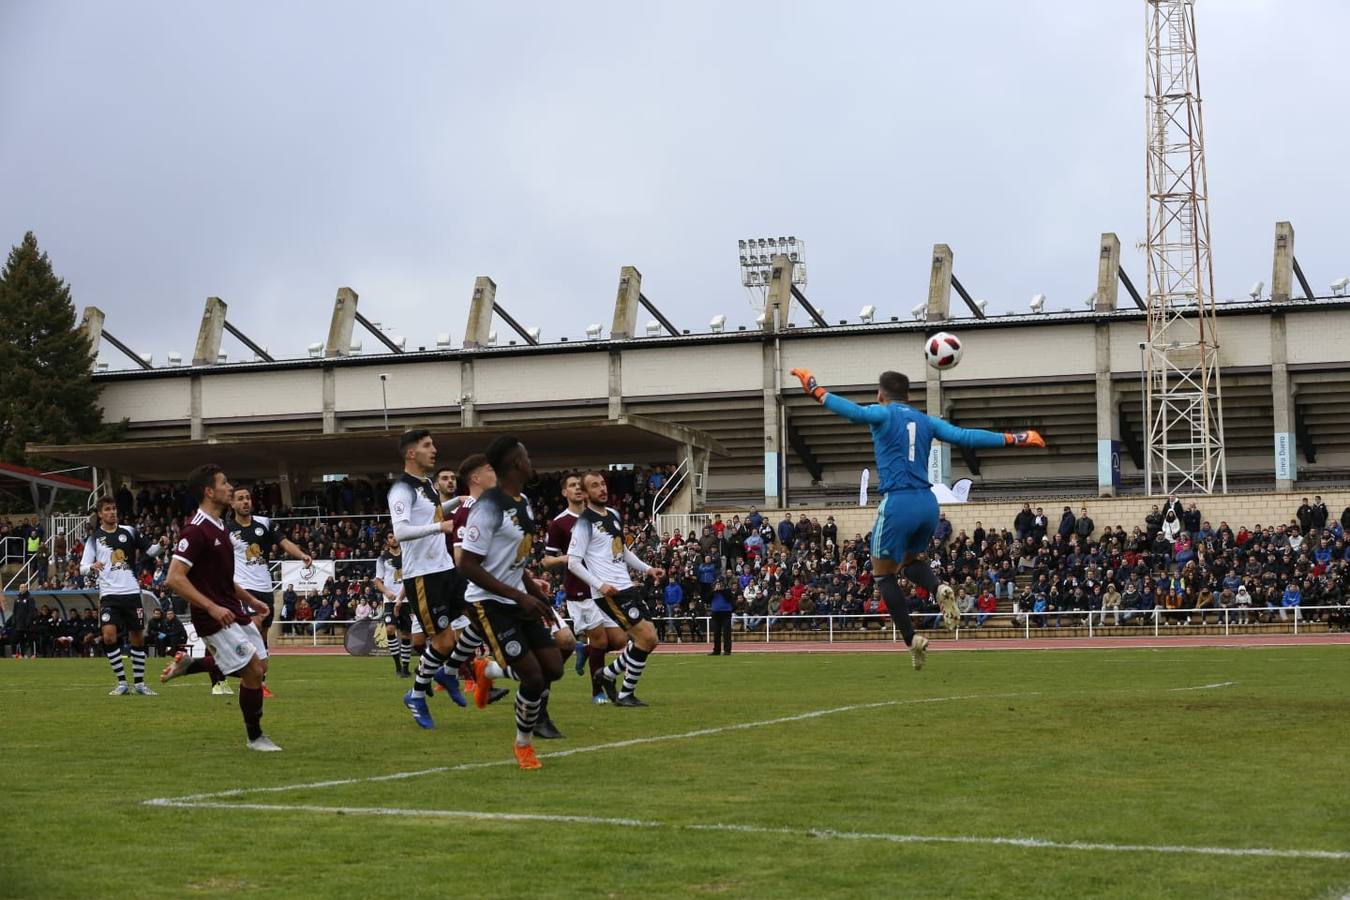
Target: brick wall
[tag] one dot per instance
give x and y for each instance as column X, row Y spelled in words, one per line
column 1236, row 509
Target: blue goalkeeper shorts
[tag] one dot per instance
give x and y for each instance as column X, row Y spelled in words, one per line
column 905, row 524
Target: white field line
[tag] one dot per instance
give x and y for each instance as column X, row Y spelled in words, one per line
column 1204, row 687
column 1026, row 843
column 594, row 748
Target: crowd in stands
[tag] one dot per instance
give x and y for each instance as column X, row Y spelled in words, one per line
column 791, row 573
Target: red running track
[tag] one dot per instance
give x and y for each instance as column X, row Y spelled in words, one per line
column 1118, row 643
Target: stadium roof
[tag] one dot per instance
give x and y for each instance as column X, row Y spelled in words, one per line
column 551, row 445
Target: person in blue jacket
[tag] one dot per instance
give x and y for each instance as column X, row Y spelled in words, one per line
column 908, row 516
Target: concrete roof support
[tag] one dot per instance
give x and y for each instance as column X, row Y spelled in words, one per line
column 1282, row 275
column 210, row 333
column 1108, row 269
column 340, row 328
column 91, row 323
column 1108, row 419
column 481, row 305
column 1286, row 431
column 626, row 302
column 940, row 284
column 778, row 301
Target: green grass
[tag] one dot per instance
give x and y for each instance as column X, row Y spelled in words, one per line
column 1065, row 746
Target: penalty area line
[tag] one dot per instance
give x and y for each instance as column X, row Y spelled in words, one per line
column 827, row 833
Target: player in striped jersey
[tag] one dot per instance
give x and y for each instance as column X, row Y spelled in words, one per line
column 253, row 539
column 110, row 552
column 598, row 556
column 397, row 612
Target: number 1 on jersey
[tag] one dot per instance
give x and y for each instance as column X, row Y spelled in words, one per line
column 913, row 429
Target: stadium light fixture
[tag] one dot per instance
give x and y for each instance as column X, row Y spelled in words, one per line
column 443, row 341
column 594, row 330
column 534, row 333
column 756, row 256
column 981, row 304
column 1091, row 300
column 222, row 358
column 653, row 328
column 1255, row 292
column 102, row 367
column 355, row 348
column 868, row 314
column 174, row 358
column 1339, row 285
column 400, row 342
column 1038, row 303
column 761, row 319
column 315, row 350
column 718, row 323
column 147, row 358
column 920, row 311
column 492, row 338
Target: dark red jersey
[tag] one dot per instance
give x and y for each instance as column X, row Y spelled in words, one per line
column 559, row 536
column 204, row 546
column 456, row 535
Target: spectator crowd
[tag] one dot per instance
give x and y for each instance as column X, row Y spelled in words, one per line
column 792, row 573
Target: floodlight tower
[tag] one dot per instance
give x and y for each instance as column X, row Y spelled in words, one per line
column 1183, row 416
column 757, row 265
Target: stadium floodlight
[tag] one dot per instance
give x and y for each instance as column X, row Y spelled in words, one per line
column 653, row 328
column 756, row 256
column 718, row 323
column 868, row 314
column 920, row 311
column 981, row 304
column 102, row 366
column 492, row 338
column 1255, row 292
column 443, row 341
column 1038, row 303
column 1339, row 285
column 1091, row 300
column 174, row 358
column 315, row 350
column 594, row 330
column 147, row 358
column 761, row 319
column 534, row 333
column 222, row 358
column 355, row 348
column 400, row 342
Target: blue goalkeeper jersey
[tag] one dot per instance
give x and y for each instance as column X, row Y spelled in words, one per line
column 901, row 436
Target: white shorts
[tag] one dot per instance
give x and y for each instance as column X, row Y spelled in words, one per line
column 234, row 645
column 587, row 615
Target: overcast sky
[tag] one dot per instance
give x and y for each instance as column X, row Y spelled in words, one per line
column 268, row 153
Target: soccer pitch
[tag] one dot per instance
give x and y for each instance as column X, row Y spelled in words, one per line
column 1128, row 773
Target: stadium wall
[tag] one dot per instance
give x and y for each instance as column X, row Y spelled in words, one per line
column 1237, row 509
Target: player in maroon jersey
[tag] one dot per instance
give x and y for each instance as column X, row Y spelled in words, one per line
column 602, row 633
column 202, row 573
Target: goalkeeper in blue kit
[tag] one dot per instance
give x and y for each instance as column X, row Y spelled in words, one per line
column 908, row 514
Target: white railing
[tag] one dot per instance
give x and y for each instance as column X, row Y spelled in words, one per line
column 684, row 523
column 667, row 491
column 11, row 550
column 852, row 628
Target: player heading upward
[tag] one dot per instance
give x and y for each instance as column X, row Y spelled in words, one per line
column 908, row 515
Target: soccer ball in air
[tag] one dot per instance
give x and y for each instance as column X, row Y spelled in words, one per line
column 943, row 351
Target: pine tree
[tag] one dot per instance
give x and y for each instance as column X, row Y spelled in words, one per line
column 47, row 394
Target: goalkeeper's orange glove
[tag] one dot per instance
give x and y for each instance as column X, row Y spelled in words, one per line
column 1026, row 438
column 809, row 384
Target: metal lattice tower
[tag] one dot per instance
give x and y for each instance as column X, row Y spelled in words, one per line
column 1183, row 417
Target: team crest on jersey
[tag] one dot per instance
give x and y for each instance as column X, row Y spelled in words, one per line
column 443, row 622
column 107, row 616
column 633, row 613
column 182, row 546
column 513, row 648
column 239, row 649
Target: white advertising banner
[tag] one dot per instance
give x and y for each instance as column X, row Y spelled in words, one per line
column 306, row 579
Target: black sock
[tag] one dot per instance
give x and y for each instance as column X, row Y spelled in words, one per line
column 897, row 605
column 922, row 574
